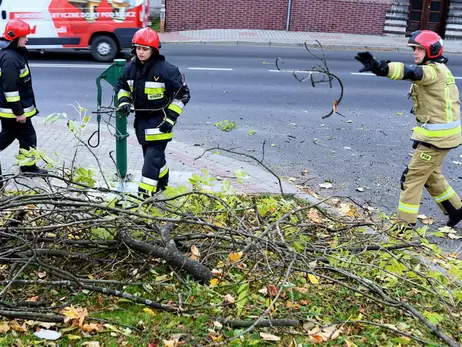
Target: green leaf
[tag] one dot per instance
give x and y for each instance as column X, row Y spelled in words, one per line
column 433, row 317
column 252, row 132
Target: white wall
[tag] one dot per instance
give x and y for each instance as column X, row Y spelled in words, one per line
column 155, row 7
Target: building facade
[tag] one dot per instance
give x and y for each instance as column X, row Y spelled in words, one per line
column 377, row 17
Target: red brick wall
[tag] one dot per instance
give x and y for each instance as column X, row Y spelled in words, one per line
column 348, row 16
column 339, row 16
column 225, row 14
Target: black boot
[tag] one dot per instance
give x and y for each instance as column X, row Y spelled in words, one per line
column 455, row 216
column 32, row 170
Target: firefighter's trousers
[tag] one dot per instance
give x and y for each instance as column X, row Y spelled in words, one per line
column 154, row 174
column 424, row 170
column 23, row 132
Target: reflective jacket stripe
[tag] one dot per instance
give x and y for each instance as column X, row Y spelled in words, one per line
column 437, row 133
column 123, row 93
column 130, row 84
column 176, row 106
column 154, row 134
column 150, row 184
column 448, row 100
column 24, row 72
column 8, row 112
column 12, row 96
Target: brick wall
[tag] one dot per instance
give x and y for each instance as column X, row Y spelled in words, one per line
column 339, row 16
column 225, row 14
column 349, row 16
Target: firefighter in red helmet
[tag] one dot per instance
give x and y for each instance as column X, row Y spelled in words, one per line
column 157, row 93
column 437, row 111
column 17, row 100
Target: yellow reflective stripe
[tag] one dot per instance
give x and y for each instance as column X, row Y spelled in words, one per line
column 8, row 112
column 447, row 97
column 414, row 209
column 168, row 120
column 123, row 93
column 24, row 72
column 154, row 90
column 398, row 70
column 437, row 133
column 163, row 171
column 446, row 195
column 12, row 96
column 147, row 187
column 450, row 78
column 175, row 108
column 154, row 134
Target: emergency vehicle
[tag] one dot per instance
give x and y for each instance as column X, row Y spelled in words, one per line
column 103, row 26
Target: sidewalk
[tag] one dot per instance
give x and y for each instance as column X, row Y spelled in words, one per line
column 291, row 38
column 183, row 160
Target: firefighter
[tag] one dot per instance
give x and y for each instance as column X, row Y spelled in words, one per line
column 154, row 89
column 437, row 110
column 17, row 101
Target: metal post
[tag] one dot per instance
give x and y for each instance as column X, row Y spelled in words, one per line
column 121, row 124
column 111, row 75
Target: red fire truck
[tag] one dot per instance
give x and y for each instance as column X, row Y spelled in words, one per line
column 103, row 26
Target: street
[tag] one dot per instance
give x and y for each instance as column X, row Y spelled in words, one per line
column 362, row 153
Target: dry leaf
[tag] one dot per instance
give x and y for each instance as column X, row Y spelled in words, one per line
column 301, row 290
column 269, row 337
column 290, row 304
column 171, row 343
column 263, row 291
column 235, row 257
column 41, row 274
column 91, row 344
column 216, row 338
column 16, row 327
column 313, row 279
column 229, row 299
column 347, row 209
column 213, row 282
column 92, row 327
column 72, row 313
column 148, row 311
column 316, row 338
column 33, row 299
column 313, row 215
column 195, row 254
column 272, row 290
column 4, row 328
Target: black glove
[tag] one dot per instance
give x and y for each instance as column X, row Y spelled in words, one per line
column 167, row 125
column 380, row 68
column 125, row 109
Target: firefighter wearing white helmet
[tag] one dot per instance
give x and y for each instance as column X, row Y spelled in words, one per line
column 437, row 111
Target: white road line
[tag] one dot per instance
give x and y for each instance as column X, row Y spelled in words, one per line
column 72, row 66
column 210, row 68
column 371, row 74
column 292, row 71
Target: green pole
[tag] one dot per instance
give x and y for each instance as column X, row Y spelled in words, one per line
column 111, row 75
column 121, row 124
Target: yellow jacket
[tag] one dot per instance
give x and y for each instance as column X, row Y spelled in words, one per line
column 436, row 103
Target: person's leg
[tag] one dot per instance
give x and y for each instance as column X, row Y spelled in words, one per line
column 413, row 180
column 155, row 171
column 7, row 136
column 27, row 140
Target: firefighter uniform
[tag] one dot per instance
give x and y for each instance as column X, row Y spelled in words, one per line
column 158, row 93
column 16, row 95
column 437, row 110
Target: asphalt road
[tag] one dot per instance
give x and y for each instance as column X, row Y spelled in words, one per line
column 367, row 147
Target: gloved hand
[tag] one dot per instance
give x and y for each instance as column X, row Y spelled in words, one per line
column 380, row 68
column 167, row 125
column 125, row 109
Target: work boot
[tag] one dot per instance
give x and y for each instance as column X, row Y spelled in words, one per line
column 454, row 218
column 32, row 170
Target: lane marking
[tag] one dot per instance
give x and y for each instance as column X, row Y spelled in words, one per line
column 371, row 74
column 292, row 71
column 75, row 66
column 210, row 68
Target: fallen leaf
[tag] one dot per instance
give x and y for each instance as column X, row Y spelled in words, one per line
column 217, row 325
column 195, row 254
column 93, row 327
column 213, row 282
column 148, row 311
column 316, row 338
column 71, row 313
column 272, row 290
column 229, row 299
column 91, row 344
column 313, row 279
column 313, row 215
column 235, row 257
column 33, row 299
column 347, row 209
column 4, row 328
column 269, row 337
column 216, row 338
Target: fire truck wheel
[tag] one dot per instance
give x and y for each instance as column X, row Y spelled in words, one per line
column 104, row 48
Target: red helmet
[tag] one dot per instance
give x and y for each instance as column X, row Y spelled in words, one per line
column 16, row 28
column 146, row 37
column 428, row 39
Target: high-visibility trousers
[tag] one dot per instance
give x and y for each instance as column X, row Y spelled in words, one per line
column 424, row 170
